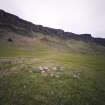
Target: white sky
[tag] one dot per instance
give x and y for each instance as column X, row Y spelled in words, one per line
column 78, row 16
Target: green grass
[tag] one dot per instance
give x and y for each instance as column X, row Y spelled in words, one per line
column 22, row 51
column 28, row 88
column 19, row 86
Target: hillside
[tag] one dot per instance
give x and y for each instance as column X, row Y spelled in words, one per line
column 16, row 31
column 45, row 66
column 17, row 24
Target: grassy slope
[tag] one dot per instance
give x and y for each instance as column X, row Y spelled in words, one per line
column 19, row 86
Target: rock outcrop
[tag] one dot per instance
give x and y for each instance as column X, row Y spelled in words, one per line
column 22, row 26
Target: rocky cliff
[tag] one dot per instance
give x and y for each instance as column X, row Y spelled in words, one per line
column 19, row 25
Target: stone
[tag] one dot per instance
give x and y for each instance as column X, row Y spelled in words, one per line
column 10, row 40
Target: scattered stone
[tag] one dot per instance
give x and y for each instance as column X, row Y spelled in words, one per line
column 54, row 68
column 42, row 71
column 76, row 75
column 41, row 68
column 46, row 69
column 24, row 86
column 35, row 70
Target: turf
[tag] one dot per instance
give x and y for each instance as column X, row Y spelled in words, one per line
column 19, row 85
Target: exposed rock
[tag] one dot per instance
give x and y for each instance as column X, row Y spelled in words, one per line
column 21, row 26
column 76, row 75
column 41, row 68
column 54, row 68
column 10, row 40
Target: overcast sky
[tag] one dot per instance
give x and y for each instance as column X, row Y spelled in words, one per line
column 78, row 16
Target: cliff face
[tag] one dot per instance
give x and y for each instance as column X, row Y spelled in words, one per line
column 16, row 23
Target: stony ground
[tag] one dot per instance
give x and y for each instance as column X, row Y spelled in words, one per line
column 30, row 81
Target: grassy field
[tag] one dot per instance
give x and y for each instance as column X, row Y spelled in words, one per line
column 81, row 81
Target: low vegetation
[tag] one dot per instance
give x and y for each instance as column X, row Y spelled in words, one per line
column 70, row 78
column 46, row 66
